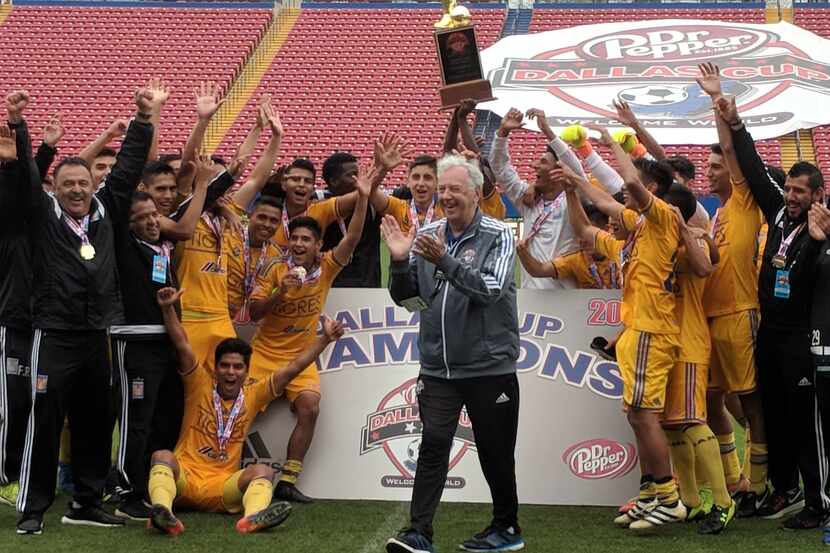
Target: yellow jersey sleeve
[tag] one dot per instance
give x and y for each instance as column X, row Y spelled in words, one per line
column 493, row 205
column 629, row 219
column 262, row 393
column 324, row 212
column 399, row 209
column 608, row 246
column 566, row 266
column 659, row 213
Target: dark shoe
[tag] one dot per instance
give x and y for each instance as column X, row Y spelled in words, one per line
column 133, row 509
column 92, row 515
column 409, row 540
column 163, row 520
column 781, row 504
column 495, row 539
column 289, row 492
column 717, row 519
column 749, row 503
column 114, row 492
column 806, row 519
column 30, row 525
column 273, row 515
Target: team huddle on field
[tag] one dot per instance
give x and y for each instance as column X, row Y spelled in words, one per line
column 128, row 273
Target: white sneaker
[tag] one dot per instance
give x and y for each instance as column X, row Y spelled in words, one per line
column 659, row 516
column 639, row 511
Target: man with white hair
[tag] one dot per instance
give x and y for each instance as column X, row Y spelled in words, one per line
column 459, row 271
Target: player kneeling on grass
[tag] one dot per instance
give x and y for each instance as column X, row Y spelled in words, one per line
column 203, row 471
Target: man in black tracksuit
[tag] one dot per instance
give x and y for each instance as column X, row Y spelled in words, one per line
column 782, row 351
column 76, row 298
column 17, row 178
column 144, row 360
column 460, row 275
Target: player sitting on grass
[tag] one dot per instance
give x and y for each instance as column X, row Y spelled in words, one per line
column 203, row 471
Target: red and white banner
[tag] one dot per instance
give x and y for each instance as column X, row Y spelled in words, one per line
column 780, row 75
column 574, row 445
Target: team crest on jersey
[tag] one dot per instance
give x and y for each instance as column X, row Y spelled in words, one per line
column 395, row 428
column 468, row 256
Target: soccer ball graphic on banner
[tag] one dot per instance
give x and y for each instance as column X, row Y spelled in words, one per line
column 412, row 451
column 654, row 95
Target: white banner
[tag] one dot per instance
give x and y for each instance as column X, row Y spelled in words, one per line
column 574, row 445
column 780, row 75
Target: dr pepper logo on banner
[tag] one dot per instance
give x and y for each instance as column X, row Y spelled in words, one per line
column 600, row 458
column 652, row 65
column 395, row 428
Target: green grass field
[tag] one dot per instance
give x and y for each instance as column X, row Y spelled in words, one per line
column 364, row 526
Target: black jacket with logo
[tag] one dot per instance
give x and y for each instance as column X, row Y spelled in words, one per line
column 71, row 293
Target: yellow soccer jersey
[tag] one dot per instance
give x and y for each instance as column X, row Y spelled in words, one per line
column 292, row 325
column 648, row 271
column 202, row 271
column 733, row 286
column 198, row 445
column 324, row 212
column 586, row 272
column 244, row 265
column 695, row 344
column 762, row 243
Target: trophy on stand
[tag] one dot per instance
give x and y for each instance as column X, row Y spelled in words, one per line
column 458, row 58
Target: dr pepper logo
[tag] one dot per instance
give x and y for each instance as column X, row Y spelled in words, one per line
column 678, row 43
column 600, row 458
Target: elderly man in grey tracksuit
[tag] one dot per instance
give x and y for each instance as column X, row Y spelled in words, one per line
column 459, row 273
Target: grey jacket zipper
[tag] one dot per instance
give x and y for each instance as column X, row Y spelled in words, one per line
column 444, row 309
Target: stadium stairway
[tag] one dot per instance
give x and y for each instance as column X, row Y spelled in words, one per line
column 796, row 146
column 5, row 10
column 250, row 75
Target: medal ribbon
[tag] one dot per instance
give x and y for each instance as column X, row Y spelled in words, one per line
column 786, row 242
column 413, row 213
column 215, row 226
column 79, row 228
column 547, row 209
column 224, row 429
column 715, row 222
column 163, row 249
column 250, row 275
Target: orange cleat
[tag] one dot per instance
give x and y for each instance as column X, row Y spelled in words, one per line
column 273, row 515
column 163, row 520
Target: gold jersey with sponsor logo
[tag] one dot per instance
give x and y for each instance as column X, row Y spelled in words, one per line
column 202, row 271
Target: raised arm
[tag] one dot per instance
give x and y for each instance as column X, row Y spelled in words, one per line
column 533, row 266
column 167, row 299
column 332, row 331
column 600, row 198
column 506, row 175
column 207, row 104
column 182, row 224
column 579, row 220
column 160, row 95
column 117, row 128
column 21, row 195
column 48, row 149
column 634, row 186
column 710, row 82
column 697, row 252
column 468, row 139
column 390, row 151
column 563, row 152
column 246, row 149
column 343, row 251
column 627, row 118
column 262, row 170
column 403, row 282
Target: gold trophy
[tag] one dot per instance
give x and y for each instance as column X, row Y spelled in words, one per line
column 458, row 57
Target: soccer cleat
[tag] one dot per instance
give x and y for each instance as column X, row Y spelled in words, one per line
column 273, row 515
column 66, row 481
column 8, row 494
column 163, row 520
column 495, row 539
column 659, row 516
column 409, row 540
column 778, row 505
column 31, row 525
column 806, row 519
column 91, row 515
column 640, row 509
column 717, row 519
column 749, row 502
column 627, row 506
column 703, row 508
column 289, row 492
column 133, row 509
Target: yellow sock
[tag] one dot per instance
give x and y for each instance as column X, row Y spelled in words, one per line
column 65, row 451
column 291, row 471
column 257, row 495
column 162, row 486
column 729, row 458
column 707, row 455
column 758, row 468
column 647, row 490
column 683, row 460
column 747, row 448
column 667, row 491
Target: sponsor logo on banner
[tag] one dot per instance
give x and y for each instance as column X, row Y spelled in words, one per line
column 778, row 74
column 395, row 428
column 600, row 458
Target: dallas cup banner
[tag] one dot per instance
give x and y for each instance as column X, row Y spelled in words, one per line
column 779, row 74
column 574, row 445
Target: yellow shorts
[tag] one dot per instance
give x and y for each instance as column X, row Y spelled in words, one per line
column 205, row 335
column 686, row 394
column 264, row 363
column 645, row 361
column 732, row 368
column 209, row 492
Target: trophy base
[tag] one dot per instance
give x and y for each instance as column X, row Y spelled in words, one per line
column 452, row 95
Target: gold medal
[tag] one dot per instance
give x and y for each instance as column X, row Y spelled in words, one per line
column 779, row 261
column 87, row 252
